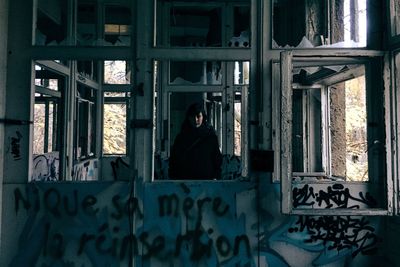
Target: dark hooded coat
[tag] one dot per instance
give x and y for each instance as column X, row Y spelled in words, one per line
column 195, row 154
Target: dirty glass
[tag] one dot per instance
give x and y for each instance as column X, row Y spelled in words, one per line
column 117, row 72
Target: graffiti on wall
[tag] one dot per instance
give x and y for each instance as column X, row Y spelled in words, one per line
column 202, row 219
column 120, row 169
column 46, row 167
column 339, row 233
column 85, row 171
column 15, row 144
column 100, row 230
column 336, row 196
column 330, row 239
column 176, row 224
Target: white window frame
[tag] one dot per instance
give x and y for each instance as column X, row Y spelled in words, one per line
column 226, row 55
column 288, row 59
column 227, row 89
column 395, row 66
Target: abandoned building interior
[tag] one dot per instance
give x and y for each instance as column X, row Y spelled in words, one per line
column 302, row 95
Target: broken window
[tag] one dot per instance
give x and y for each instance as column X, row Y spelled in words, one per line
column 332, row 131
column 191, row 25
column 195, row 72
column 117, row 25
column 51, row 22
column 112, row 27
column 87, row 70
column 97, row 24
column 86, row 30
column 315, row 23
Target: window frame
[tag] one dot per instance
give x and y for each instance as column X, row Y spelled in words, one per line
column 227, row 88
column 288, row 58
column 307, row 131
column 91, row 122
column 393, row 38
column 328, row 34
column 62, row 109
column 395, row 79
column 116, row 100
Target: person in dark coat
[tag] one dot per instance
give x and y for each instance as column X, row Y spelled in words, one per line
column 195, row 154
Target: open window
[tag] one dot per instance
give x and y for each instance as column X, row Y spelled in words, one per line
column 333, row 136
column 211, row 24
column 49, row 127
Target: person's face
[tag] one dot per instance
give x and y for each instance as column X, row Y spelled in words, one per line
column 197, row 120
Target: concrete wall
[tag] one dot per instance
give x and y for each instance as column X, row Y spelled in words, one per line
column 178, row 224
column 3, row 81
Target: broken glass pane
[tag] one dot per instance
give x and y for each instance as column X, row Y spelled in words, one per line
column 195, row 72
column 51, row 22
column 305, row 24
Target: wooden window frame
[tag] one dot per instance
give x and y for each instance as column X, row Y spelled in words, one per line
column 288, row 59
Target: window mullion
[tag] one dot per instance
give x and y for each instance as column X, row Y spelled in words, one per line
column 286, row 131
column 325, row 130
column 46, row 127
column 229, row 110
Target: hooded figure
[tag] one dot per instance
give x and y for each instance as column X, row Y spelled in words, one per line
column 195, row 154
